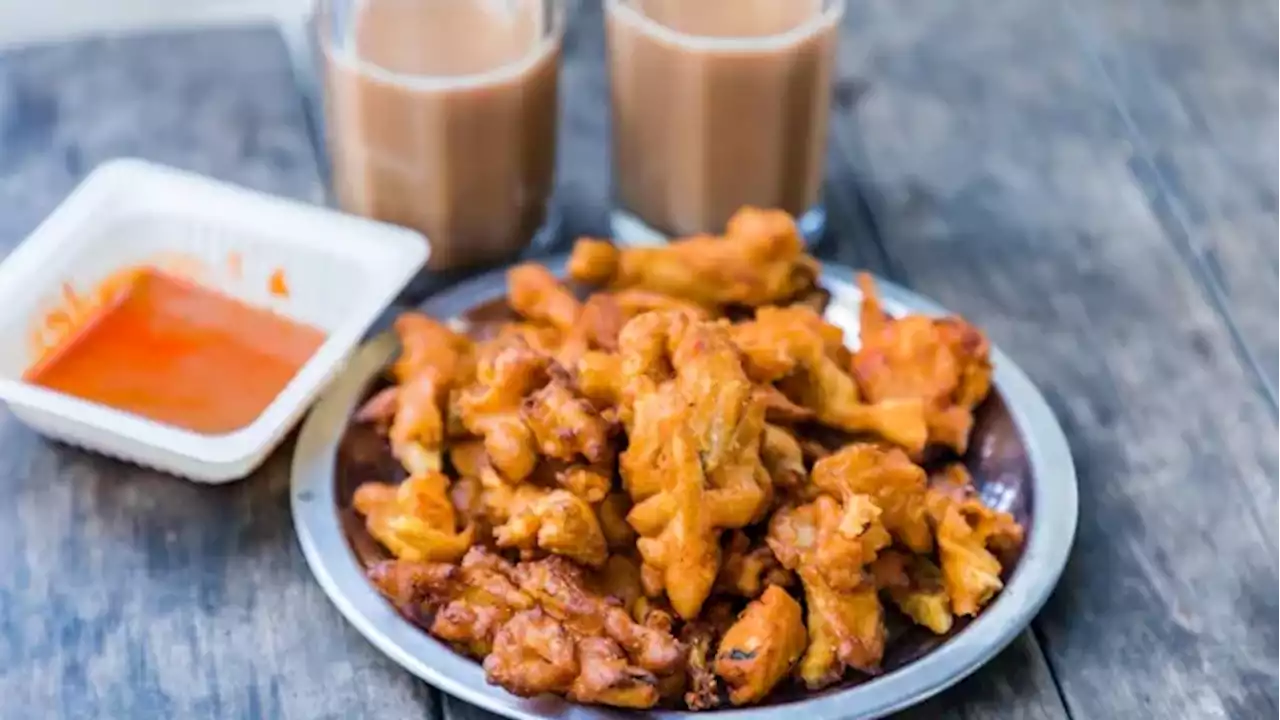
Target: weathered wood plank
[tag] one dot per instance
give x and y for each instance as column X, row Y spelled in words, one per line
column 125, row 593
column 1198, row 84
column 1001, row 175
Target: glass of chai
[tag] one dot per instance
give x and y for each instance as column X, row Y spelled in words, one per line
column 440, row 116
column 718, row 104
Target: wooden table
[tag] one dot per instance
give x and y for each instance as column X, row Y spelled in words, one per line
column 1094, row 183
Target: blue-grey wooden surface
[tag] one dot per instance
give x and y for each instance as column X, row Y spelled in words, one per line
column 1092, row 182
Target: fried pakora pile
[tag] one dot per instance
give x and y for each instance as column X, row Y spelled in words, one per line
column 683, row 490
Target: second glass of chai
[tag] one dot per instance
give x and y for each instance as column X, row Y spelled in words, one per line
column 718, row 104
column 441, row 116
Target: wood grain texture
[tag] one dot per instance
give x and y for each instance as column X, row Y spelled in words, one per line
column 1198, row 86
column 1001, row 176
column 125, row 593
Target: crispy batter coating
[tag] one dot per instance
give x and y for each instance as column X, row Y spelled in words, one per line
column 798, row 351
column 566, row 426
column 890, row 479
column 758, row 261
column 702, row 689
column 414, row 520
column 425, row 342
column 761, row 647
column 543, row 339
column 619, row 578
column 433, row 360
column 690, row 437
column 846, row 629
column 749, row 568
column 559, row 587
column 531, row 517
column 598, row 376
column 541, row 629
column 635, row 302
column 607, row 678
column 693, row 466
column 967, row 532
column 828, row 545
column 464, row 605
column 944, row 363
column 536, row 294
column 780, row 409
column 916, row 586
column 678, row 541
column 612, row 512
column 491, row 408
column 782, row 457
column 532, row 654
column 589, row 482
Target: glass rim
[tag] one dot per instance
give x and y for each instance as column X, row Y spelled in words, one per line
column 830, row 14
column 550, row 37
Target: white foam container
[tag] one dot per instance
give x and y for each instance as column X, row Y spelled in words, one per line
column 341, row 271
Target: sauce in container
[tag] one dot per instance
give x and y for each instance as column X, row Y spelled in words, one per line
column 176, row 352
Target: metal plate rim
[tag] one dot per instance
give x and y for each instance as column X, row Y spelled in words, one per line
column 1054, row 506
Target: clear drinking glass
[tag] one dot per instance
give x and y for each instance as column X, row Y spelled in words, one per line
column 718, row 104
column 440, row 115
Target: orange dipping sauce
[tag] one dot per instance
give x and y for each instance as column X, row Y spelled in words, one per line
column 179, row 353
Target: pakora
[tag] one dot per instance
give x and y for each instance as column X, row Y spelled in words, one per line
column 681, row 488
column 943, row 363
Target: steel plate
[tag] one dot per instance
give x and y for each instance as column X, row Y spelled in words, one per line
column 1019, row 458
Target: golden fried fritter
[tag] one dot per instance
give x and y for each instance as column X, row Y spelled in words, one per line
column 605, row 313
column 635, row 302
column 543, row 339
column 915, row 585
column 780, row 409
column 607, row 678
column 943, row 362
column 417, row 431
column 761, row 647
column 759, row 261
column 846, row 629
column 828, row 545
column 415, row 520
column 599, row 378
column 693, row 466
column 702, row 689
column 836, row 540
column 532, row 654
column 890, row 479
column 559, row 587
column 433, row 360
column 566, row 426
column 725, row 416
column 748, row 568
column 531, row 517
column 967, row 532
column 612, row 512
column 491, row 408
column 464, row 605
column 425, row 342
column 793, row 348
column 534, row 293
column 678, row 541
column 655, row 461
column 540, row 629
column 619, row 578
column 589, row 482
column 783, row 458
